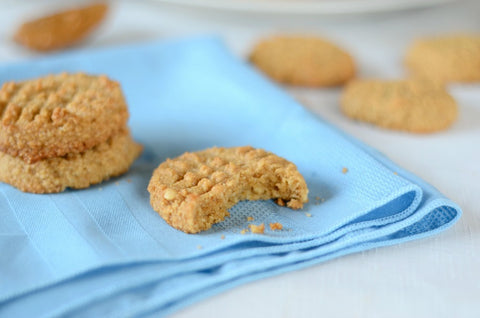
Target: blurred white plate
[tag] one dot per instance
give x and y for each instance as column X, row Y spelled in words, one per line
column 322, row 7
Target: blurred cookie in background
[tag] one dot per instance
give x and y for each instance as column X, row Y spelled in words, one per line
column 303, row 61
column 62, row 29
column 408, row 105
column 449, row 58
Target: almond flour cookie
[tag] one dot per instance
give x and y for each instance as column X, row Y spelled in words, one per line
column 59, row 114
column 62, row 29
column 454, row 58
column 409, row 105
column 304, row 61
column 79, row 170
column 195, row 190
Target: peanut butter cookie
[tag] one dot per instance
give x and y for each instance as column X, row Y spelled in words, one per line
column 195, row 190
column 453, row 58
column 79, row 170
column 59, row 114
column 409, row 105
column 61, row 29
column 304, row 61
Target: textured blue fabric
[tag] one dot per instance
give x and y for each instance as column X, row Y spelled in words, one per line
column 103, row 251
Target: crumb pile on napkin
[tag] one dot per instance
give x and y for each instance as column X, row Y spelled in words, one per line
column 105, row 251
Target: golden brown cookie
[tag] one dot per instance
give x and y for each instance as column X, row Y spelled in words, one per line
column 453, row 58
column 410, row 105
column 195, row 190
column 80, row 170
column 59, row 114
column 304, row 61
column 61, row 29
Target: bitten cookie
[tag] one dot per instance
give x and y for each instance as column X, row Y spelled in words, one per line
column 59, row 114
column 410, row 105
column 303, row 61
column 79, row 170
column 62, row 29
column 195, row 190
column 454, row 58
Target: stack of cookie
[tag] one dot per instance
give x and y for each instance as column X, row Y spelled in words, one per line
column 60, row 131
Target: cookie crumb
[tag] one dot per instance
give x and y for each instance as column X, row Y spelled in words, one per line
column 280, row 202
column 116, row 183
column 169, row 194
column 308, row 214
column 276, row 226
column 250, row 218
column 317, row 198
column 222, row 237
column 129, row 180
column 395, row 173
column 344, row 170
column 100, row 189
column 199, row 247
column 243, row 231
column 258, row 229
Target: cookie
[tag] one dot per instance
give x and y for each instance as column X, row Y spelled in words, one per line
column 195, row 190
column 453, row 58
column 409, row 105
column 303, row 61
column 80, row 170
column 62, row 29
column 59, row 114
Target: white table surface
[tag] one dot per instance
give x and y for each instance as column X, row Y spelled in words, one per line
column 433, row 277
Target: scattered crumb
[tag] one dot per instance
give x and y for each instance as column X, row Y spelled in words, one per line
column 276, row 226
column 280, row 202
column 116, row 183
column 395, row 173
column 250, row 218
column 319, row 200
column 100, row 189
column 243, row 231
column 344, row 170
column 259, row 229
column 308, row 214
column 199, row 247
column 129, row 180
column 222, row 237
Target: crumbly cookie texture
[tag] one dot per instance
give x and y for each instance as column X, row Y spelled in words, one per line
column 59, row 114
column 195, row 190
column 303, row 61
column 409, row 105
column 80, row 170
column 62, row 29
column 451, row 58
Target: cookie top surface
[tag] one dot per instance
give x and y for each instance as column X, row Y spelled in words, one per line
column 304, row 61
column 61, row 29
column 451, row 58
column 409, row 105
column 195, row 190
column 59, row 114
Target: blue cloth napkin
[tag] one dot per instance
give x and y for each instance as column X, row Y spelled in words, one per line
column 103, row 251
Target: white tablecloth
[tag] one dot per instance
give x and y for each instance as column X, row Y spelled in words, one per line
column 434, row 277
